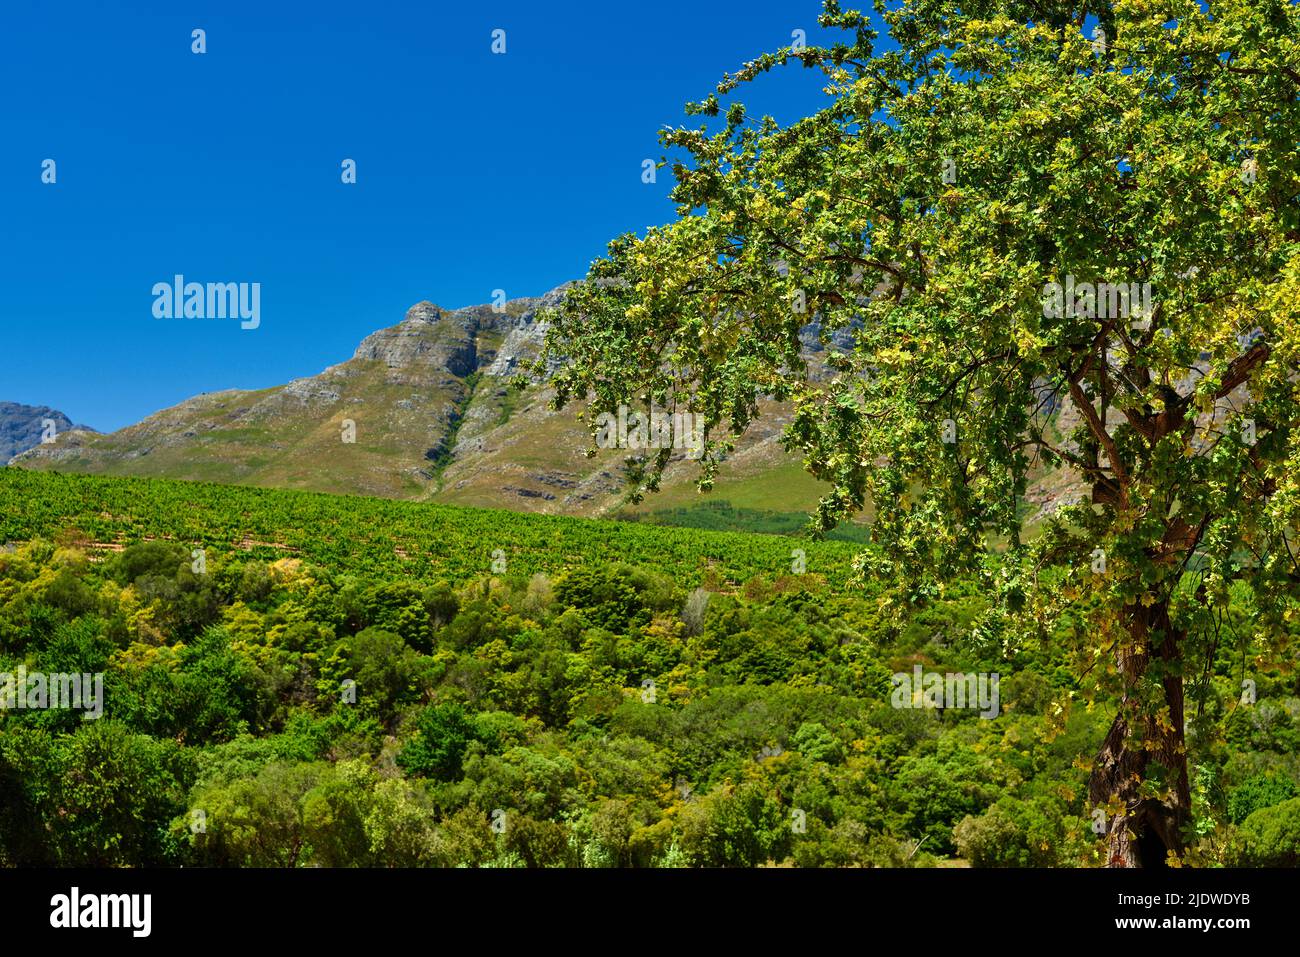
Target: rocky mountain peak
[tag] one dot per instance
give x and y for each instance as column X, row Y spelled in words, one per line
column 426, row 337
column 423, row 311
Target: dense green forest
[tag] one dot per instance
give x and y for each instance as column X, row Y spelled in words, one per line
column 297, row 679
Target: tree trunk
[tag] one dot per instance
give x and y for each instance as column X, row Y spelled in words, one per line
column 1138, row 748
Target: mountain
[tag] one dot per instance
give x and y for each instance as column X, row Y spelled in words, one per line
column 428, row 408
column 23, row 426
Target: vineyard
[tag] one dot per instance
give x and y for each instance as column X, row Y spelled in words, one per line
column 380, row 536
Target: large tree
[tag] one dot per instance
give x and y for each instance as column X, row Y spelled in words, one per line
column 988, row 151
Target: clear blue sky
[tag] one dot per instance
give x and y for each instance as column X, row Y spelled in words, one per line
column 475, row 171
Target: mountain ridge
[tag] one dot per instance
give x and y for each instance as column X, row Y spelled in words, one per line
column 431, row 416
column 22, row 427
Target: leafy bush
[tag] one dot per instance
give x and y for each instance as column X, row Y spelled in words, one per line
column 1011, row 833
column 1272, row 835
column 1260, row 791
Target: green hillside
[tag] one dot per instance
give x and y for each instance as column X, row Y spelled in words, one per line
column 346, row 681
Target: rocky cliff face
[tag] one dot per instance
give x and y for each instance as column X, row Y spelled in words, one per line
column 430, row 340
column 22, row 427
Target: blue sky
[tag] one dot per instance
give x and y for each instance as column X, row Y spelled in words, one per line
column 474, row 171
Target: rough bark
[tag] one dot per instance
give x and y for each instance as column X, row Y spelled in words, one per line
column 1138, row 747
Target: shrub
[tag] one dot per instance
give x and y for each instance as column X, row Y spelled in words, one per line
column 1011, row 833
column 1272, row 835
column 1258, row 792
